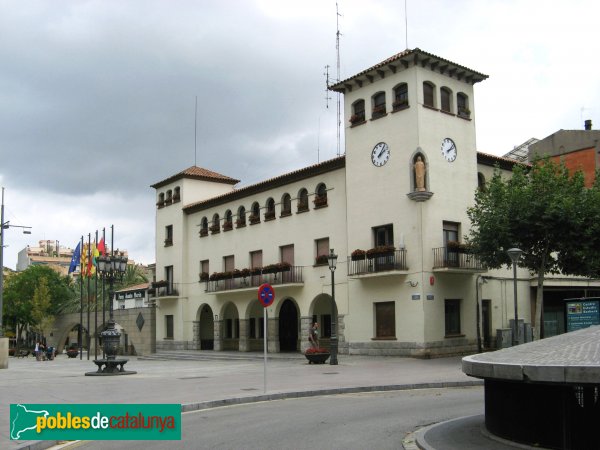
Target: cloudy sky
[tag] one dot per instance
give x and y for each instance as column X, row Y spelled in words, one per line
column 97, row 97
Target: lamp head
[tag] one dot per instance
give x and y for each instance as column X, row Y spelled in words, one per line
column 332, row 260
column 514, row 254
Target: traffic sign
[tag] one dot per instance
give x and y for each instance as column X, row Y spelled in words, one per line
column 266, row 294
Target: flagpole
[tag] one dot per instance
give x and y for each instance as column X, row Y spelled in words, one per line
column 96, row 308
column 103, row 293
column 80, row 337
column 88, row 293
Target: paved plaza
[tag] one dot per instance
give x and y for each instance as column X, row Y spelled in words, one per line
column 203, row 381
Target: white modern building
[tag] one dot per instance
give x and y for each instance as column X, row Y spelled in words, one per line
column 393, row 209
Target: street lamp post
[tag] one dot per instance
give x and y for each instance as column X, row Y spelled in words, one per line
column 111, row 268
column 515, row 254
column 332, row 259
column 3, row 226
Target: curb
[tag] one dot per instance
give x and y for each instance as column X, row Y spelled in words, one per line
column 191, row 407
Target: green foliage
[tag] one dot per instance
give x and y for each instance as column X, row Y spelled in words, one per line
column 20, row 290
column 545, row 211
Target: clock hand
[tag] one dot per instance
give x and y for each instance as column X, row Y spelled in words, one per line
column 381, row 152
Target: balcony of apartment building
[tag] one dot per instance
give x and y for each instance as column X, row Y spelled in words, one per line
column 378, row 261
column 280, row 274
column 163, row 289
column 456, row 258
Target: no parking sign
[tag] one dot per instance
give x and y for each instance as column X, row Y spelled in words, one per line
column 266, row 295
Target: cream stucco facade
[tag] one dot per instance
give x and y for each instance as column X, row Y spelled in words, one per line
column 418, row 300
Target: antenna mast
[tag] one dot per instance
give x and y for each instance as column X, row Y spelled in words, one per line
column 337, row 48
column 195, row 129
column 405, row 24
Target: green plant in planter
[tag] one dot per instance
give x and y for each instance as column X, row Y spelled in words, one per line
column 382, row 250
column 358, row 254
column 321, row 259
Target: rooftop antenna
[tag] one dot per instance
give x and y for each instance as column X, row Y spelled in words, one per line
column 337, row 48
column 319, row 142
column 406, row 24
column 327, row 97
column 195, row 129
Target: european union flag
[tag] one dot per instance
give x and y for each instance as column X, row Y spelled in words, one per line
column 75, row 258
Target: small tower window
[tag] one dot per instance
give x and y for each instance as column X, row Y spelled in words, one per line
column 241, row 220
column 445, row 97
column 161, row 200
column 462, row 105
column 400, row 96
column 378, row 105
column 358, row 112
column 177, row 194
column 428, row 94
column 228, row 221
column 169, row 198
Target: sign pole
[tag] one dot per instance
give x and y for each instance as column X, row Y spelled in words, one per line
column 266, row 296
column 266, row 315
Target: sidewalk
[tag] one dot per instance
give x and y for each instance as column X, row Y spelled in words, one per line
column 204, row 383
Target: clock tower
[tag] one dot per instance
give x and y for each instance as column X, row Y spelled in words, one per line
column 411, row 170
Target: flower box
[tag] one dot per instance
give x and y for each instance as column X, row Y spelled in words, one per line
column 357, row 118
column 203, row 232
column 382, row 250
column 317, row 355
column 358, row 255
column 321, row 259
column 320, row 201
column 254, row 219
column 215, row 229
column 72, row 352
column 302, row 206
column 204, row 276
column 269, row 215
column 240, row 223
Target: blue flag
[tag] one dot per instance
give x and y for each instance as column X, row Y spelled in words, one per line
column 75, row 258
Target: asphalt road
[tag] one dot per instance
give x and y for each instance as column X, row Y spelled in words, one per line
column 348, row 421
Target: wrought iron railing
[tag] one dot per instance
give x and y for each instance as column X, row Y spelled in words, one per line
column 444, row 257
column 395, row 260
column 293, row 275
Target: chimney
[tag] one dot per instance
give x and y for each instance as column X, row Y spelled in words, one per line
column 588, row 125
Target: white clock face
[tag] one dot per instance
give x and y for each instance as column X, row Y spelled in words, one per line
column 380, row 154
column 449, row 149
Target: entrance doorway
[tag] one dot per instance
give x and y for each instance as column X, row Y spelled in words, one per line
column 288, row 327
column 206, row 329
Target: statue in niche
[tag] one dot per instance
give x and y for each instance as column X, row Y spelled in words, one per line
column 419, row 174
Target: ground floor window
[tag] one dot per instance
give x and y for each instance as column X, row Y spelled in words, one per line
column 169, row 326
column 385, row 320
column 452, row 316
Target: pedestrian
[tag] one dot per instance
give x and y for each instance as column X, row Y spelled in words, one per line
column 313, row 335
column 36, row 351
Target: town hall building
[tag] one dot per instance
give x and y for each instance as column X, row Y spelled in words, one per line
column 393, row 209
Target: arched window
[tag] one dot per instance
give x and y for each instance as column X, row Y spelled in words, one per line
column 177, row 194
column 161, row 200
column 255, row 213
column 480, row 181
column 302, row 200
column 462, row 105
column 216, row 224
column 286, row 205
column 169, row 198
column 321, row 196
column 358, row 112
column 445, row 99
column 428, row 94
column 270, row 209
column 378, row 105
column 241, row 220
column 204, row 227
column 400, row 97
column 228, row 221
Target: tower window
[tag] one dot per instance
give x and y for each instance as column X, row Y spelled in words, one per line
column 428, row 94
column 302, row 200
column 255, row 213
column 462, row 105
column 445, row 96
column 270, row 209
column 400, row 97
column 286, row 205
column 204, row 227
column 358, row 112
column 378, row 105
column 216, row 224
column 241, row 220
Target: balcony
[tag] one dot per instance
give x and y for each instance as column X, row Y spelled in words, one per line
column 162, row 289
column 454, row 260
column 253, row 281
column 392, row 263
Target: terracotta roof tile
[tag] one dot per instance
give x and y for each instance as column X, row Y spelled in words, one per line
column 197, row 173
column 415, row 54
column 504, row 163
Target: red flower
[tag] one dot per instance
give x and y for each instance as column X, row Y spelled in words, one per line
column 312, row 350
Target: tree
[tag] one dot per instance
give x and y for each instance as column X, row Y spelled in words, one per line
column 134, row 274
column 19, row 294
column 40, row 307
column 546, row 212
